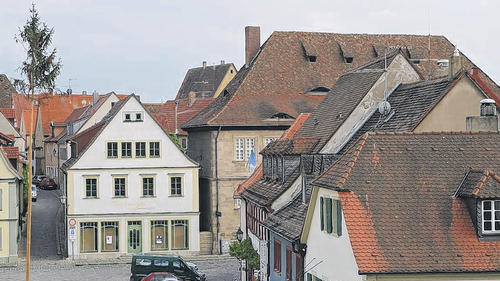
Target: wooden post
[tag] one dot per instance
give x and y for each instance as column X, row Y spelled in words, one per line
column 30, row 179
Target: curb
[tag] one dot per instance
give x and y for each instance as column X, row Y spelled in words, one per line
column 129, row 260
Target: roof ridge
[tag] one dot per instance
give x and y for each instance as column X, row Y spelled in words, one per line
column 369, row 34
column 433, row 133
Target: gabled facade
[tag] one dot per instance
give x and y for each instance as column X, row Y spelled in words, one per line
column 10, row 182
column 407, row 206
column 130, row 192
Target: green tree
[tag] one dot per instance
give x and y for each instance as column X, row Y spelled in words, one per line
column 244, row 251
column 176, row 140
column 41, row 67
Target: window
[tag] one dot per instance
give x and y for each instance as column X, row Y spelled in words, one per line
column 159, row 235
column 184, row 143
column 239, row 150
column 109, row 236
column 491, row 216
column 298, row 267
column 268, row 141
column 140, row 149
column 148, row 186
column 112, row 149
column 113, row 103
column 138, row 117
column 119, row 187
column 127, row 117
column 162, row 263
column 311, row 58
column 180, row 234
column 331, row 216
column 237, row 203
column 175, row 186
column 277, row 256
column 250, row 144
column 154, row 149
column 126, row 149
column 88, row 237
column 349, row 59
column 143, row 262
column 91, row 188
column 288, row 264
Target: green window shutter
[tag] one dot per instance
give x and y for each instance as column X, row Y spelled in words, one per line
column 309, row 276
column 321, row 215
column 329, row 227
column 339, row 218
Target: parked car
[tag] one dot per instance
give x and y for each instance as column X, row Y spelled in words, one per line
column 37, row 180
column 161, row 276
column 48, row 183
column 144, row 264
column 34, row 193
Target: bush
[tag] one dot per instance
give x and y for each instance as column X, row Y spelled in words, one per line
column 244, row 251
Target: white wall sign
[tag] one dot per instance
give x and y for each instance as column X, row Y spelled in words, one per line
column 72, row 233
column 109, row 240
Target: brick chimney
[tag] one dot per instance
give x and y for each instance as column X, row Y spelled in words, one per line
column 455, row 65
column 204, row 64
column 487, row 121
column 252, row 43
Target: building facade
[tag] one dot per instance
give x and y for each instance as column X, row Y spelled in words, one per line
column 130, row 192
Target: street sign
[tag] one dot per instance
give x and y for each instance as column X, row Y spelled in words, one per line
column 72, row 222
column 72, row 233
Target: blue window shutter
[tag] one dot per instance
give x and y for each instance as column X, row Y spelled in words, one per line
column 329, row 226
column 339, row 218
column 321, row 215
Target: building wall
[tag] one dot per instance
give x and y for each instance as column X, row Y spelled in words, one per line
column 99, row 114
column 231, row 72
column 399, row 71
column 329, row 257
column 9, row 211
column 449, row 114
column 51, row 160
column 94, row 163
column 273, row 274
column 231, row 173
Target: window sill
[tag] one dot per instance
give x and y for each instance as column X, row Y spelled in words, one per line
column 112, row 157
column 159, row 250
column 89, row 252
column 109, row 251
column 148, row 196
column 176, row 196
column 180, row 249
column 140, row 156
column 154, row 156
column 91, row 198
column 119, row 197
column 128, row 157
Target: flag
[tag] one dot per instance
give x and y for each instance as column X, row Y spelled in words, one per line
column 252, row 162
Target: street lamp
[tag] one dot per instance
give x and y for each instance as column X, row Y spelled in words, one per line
column 239, row 234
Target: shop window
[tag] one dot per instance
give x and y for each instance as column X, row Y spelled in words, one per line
column 159, row 235
column 88, row 237
column 180, row 234
column 109, row 236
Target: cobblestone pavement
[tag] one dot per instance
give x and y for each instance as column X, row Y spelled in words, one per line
column 43, row 226
column 216, row 270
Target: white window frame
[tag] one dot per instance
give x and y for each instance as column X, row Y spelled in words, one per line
column 249, row 147
column 494, row 219
column 239, row 147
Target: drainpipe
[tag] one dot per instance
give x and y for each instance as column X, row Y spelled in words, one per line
column 177, row 131
column 217, row 212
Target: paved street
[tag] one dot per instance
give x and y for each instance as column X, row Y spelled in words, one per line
column 216, row 269
column 43, row 226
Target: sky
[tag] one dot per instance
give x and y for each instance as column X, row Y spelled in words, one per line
column 145, row 47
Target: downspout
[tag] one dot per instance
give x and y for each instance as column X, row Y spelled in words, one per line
column 176, row 130
column 217, row 212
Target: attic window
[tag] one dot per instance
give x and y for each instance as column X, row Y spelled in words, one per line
column 138, row 117
column 113, row 103
column 134, row 116
column 491, row 216
column 416, row 61
column 318, row 91
column 127, row 117
column 310, row 51
column 346, row 52
column 311, row 58
column 281, row 115
column 348, row 59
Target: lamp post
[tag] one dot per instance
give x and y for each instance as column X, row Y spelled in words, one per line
column 239, row 234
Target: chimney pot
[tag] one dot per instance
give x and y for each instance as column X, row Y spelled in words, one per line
column 474, row 71
column 95, row 96
column 487, row 121
column 455, row 64
column 252, row 43
column 204, row 64
column 222, row 62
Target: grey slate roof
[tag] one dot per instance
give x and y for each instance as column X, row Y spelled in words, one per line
column 265, row 191
column 289, row 220
column 480, row 184
column 410, row 103
column 204, row 81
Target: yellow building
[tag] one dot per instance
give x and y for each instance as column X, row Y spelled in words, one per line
column 10, row 181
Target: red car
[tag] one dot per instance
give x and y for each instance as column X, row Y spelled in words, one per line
column 48, row 183
column 161, row 276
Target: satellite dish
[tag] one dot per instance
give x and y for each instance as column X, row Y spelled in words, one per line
column 384, row 108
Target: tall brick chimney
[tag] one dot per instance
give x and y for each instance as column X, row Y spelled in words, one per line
column 252, row 43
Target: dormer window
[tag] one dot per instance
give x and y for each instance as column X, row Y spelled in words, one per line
column 348, row 59
column 490, row 216
column 310, row 51
column 311, row 58
column 346, row 52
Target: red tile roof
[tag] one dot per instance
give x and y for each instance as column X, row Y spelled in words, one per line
column 12, row 152
column 9, row 113
column 396, row 191
column 281, row 68
column 26, row 114
column 165, row 113
column 257, row 173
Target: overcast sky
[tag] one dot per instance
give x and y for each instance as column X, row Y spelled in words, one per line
column 146, row 47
